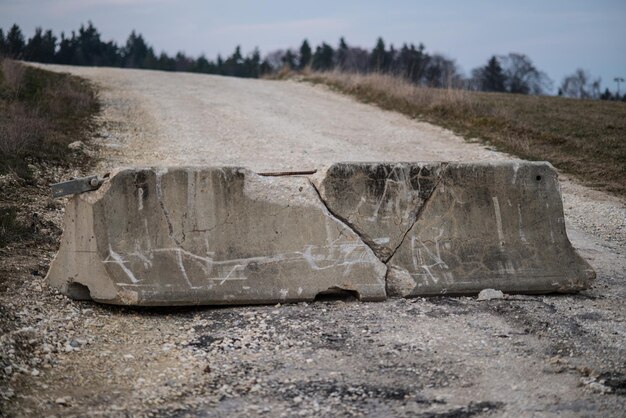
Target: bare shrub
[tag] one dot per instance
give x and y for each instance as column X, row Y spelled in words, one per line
column 19, row 128
column 12, row 75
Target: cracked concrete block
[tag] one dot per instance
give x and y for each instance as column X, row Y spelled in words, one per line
column 489, row 225
column 379, row 201
column 209, row 236
column 229, row 236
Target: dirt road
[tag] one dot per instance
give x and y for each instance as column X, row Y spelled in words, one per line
column 435, row 357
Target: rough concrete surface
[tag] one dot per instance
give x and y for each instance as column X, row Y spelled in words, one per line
column 380, row 201
column 551, row 355
column 228, row 236
column 217, row 236
column 493, row 225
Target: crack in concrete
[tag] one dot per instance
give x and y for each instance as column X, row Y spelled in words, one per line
column 347, row 225
column 166, row 214
column 344, row 221
column 443, row 168
column 370, row 242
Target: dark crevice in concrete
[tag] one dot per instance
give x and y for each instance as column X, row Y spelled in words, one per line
column 337, row 293
column 367, row 241
column 419, row 212
column 381, row 253
column 287, row 173
column 166, row 213
column 78, row 291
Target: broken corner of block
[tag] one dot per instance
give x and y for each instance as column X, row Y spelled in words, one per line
column 212, row 236
column 226, row 235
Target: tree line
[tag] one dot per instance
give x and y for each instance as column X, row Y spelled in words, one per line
column 512, row 73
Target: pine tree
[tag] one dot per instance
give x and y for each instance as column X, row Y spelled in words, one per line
column 411, row 62
column 15, row 42
column 67, row 50
column 342, row 54
column 137, row 53
column 289, row 60
column 606, row 95
column 492, row 77
column 253, row 64
column 323, row 58
column 305, row 55
column 379, row 59
column 40, row 47
column 2, row 44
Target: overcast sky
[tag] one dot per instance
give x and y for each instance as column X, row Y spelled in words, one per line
column 558, row 35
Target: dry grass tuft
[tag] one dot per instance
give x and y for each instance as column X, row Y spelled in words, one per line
column 582, row 137
column 12, row 74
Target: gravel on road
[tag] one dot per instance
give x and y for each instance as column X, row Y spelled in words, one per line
column 432, row 357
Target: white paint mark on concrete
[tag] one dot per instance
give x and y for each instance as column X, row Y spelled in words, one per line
column 414, row 252
column 515, row 168
column 496, row 206
column 145, row 227
column 117, row 259
column 235, row 267
column 146, row 262
column 432, row 277
column 140, row 198
column 181, row 267
column 522, row 235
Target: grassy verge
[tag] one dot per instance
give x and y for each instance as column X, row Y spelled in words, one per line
column 580, row 137
column 41, row 113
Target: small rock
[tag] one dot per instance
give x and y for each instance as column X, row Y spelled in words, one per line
column 76, row 145
column 489, row 294
column 34, row 372
column 64, row 400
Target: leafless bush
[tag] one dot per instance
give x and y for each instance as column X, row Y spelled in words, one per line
column 12, row 75
column 19, row 128
column 65, row 97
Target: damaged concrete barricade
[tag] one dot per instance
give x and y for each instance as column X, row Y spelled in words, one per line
column 230, row 236
column 490, row 225
column 209, row 236
column 458, row 228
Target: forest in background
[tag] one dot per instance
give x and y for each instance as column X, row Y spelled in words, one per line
column 510, row 73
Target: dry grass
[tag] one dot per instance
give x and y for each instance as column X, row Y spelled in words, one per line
column 580, row 137
column 41, row 112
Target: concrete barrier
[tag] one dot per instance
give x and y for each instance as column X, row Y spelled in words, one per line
column 226, row 235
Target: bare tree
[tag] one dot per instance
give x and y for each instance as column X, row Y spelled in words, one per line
column 355, row 60
column 522, row 76
column 442, row 72
column 580, row 85
column 275, row 59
